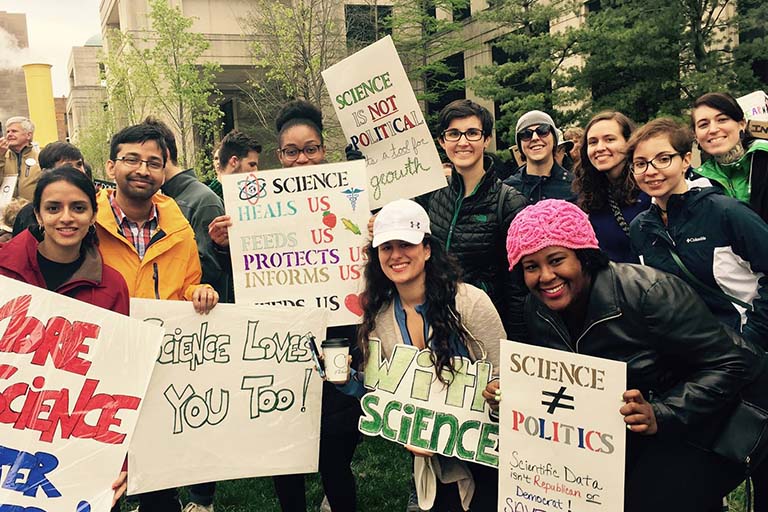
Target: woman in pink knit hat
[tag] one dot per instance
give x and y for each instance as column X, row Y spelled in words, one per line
column 683, row 369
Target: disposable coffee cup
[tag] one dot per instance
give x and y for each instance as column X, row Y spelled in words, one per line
column 335, row 356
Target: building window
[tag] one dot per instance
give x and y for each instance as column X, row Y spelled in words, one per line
column 366, row 24
column 228, row 118
column 462, row 11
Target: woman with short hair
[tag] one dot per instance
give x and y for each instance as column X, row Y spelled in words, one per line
column 739, row 162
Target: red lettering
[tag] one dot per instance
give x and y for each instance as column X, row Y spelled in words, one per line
column 517, row 419
column 44, row 410
column 23, row 333
column 60, row 339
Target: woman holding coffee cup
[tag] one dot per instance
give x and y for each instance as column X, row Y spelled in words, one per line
column 413, row 296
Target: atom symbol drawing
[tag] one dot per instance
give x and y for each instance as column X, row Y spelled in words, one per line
column 252, row 189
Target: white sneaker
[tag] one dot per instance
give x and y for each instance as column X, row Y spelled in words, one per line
column 195, row 507
column 325, row 506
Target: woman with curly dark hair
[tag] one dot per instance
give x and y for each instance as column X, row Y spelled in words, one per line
column 413, row 296
column 605, row 186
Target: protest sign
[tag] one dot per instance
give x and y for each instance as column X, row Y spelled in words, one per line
column 73, row 381
column 754, row 105
column 410, row 406
column 381, row 117
column 562, row 438
column 7, row 188
column 758, row 129
column 298, row 237
column 234, row 395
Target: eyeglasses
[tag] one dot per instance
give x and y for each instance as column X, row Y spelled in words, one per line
column 542, row 131
column 660, row 162
column 292, row 153
column 134, row 162
column 453, row 135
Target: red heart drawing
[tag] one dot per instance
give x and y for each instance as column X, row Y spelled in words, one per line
column 352, row 302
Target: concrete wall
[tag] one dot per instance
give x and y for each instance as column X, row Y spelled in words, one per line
column 86, row 91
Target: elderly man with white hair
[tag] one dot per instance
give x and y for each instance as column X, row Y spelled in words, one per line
column 20, row 156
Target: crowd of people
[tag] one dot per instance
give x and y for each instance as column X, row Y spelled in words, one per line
column 605, row 241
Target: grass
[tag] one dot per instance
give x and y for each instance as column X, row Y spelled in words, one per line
column 382, row 469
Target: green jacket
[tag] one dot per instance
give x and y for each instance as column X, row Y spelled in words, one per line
column 736, row 178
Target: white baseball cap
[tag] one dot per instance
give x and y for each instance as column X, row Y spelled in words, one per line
column 402, row 219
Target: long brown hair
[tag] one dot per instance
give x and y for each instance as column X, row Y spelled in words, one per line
column 442, row 279
column 593, row 186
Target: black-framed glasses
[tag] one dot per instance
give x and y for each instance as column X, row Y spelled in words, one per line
column 453, row 135
column 292, row 152
column 134, row 162
column 542, row 131
column 659, row 162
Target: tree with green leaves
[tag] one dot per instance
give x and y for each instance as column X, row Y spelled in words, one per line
column 93, row 139
column 162, row 71
column 426, row 34
column 631, row 60
column 649, row 58
column 293, row 42
column 531, row 60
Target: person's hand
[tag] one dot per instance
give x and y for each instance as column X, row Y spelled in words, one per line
column 119, row 486
column 349, row 372
column 421, row 452
column 370, row 225
column 204, row 298
column 638, row 414
column 353, row 154
column 218, row 230
column 4, row 144
column 447, row 169
column 492, row 394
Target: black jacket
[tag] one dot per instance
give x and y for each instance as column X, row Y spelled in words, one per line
column 200, row 205
column 536, row 188
column 474, row 230
column 684, row 361
column 723, row 243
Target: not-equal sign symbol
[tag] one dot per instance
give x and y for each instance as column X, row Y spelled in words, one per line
column 555, row 402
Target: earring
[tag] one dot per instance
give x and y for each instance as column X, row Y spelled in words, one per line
column 40, row 232
column 741, row 134
column 91, row 230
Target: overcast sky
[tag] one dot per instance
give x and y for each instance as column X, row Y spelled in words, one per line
column 54, row 27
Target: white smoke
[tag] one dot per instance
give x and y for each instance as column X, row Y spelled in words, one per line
column 11, row 55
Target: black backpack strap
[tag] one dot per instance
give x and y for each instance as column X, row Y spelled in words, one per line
column 758, row 182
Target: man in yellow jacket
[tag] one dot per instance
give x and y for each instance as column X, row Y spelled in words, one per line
column 19, row 156
column 145, row 237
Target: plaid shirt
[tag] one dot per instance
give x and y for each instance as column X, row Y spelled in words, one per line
column 139, row 236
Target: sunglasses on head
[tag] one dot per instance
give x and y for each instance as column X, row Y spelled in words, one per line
column 542, row 131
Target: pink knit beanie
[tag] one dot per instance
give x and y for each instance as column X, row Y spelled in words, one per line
column 547, row 223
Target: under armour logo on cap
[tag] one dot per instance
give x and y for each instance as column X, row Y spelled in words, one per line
column 402, row 219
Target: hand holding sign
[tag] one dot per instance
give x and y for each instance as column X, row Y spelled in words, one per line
column 638, row 414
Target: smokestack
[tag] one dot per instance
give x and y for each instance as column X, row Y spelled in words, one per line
column 42, row 111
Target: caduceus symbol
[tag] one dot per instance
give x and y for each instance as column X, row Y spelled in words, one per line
column 352, row 194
